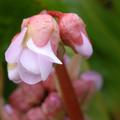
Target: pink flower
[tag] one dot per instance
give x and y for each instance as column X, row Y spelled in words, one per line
column 31, row 53
column 73, row 33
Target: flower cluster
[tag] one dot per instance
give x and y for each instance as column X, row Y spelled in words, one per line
column 33, row 51
column 42, row 101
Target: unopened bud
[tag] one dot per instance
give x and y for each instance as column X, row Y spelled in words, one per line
column 73, row 33
column 26, row 96
column 9, row 113
column 35, row 114
column 53, row 106
column 93, row 76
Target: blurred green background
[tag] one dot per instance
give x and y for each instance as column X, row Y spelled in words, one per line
column 102, row 18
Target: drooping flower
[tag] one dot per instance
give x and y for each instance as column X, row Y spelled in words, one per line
column 31, row 53
column 73, row 33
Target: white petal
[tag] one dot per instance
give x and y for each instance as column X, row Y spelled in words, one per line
column 28, row 77
column 46, row 51
column 14, row 75
column 45, row 67
column 15, row 48
column 86, row 48
column 29, row 61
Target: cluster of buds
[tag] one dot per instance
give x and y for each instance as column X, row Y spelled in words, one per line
column 42, row 101
column 31, row 56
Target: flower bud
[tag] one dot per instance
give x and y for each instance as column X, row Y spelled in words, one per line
column 26, row 96
column 84, row 91
column 73, row 33
column 53, row 106
column 93, row 76
column 9, row 113
column 35, row 114
column 81, row 88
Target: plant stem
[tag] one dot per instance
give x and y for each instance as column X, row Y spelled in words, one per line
column 69, row 97
column 55, row 13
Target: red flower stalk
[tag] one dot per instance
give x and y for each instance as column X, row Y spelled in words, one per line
column 68, row 93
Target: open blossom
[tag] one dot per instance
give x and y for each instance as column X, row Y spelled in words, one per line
column 73, row 33
column 31, row 53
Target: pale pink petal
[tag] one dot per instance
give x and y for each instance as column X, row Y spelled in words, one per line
column 86, row 48
column 28, row 77
column 15, row 48
column 45, row 67
column 46, row 51
column 14, row 75
column 29, row 61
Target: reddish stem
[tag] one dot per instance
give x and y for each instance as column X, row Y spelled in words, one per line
column 55, row 14
column 67, row 90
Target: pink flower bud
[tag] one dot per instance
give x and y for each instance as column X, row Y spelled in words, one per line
column 81, row 88
column 73, row 33
column 32, row 52
column 26, row 96
column 52, row 106
column 93, row 76
column 9, row 113
column 35, row 114
column 84, row 90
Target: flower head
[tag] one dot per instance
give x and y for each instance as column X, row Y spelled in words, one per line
column 31, row 53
